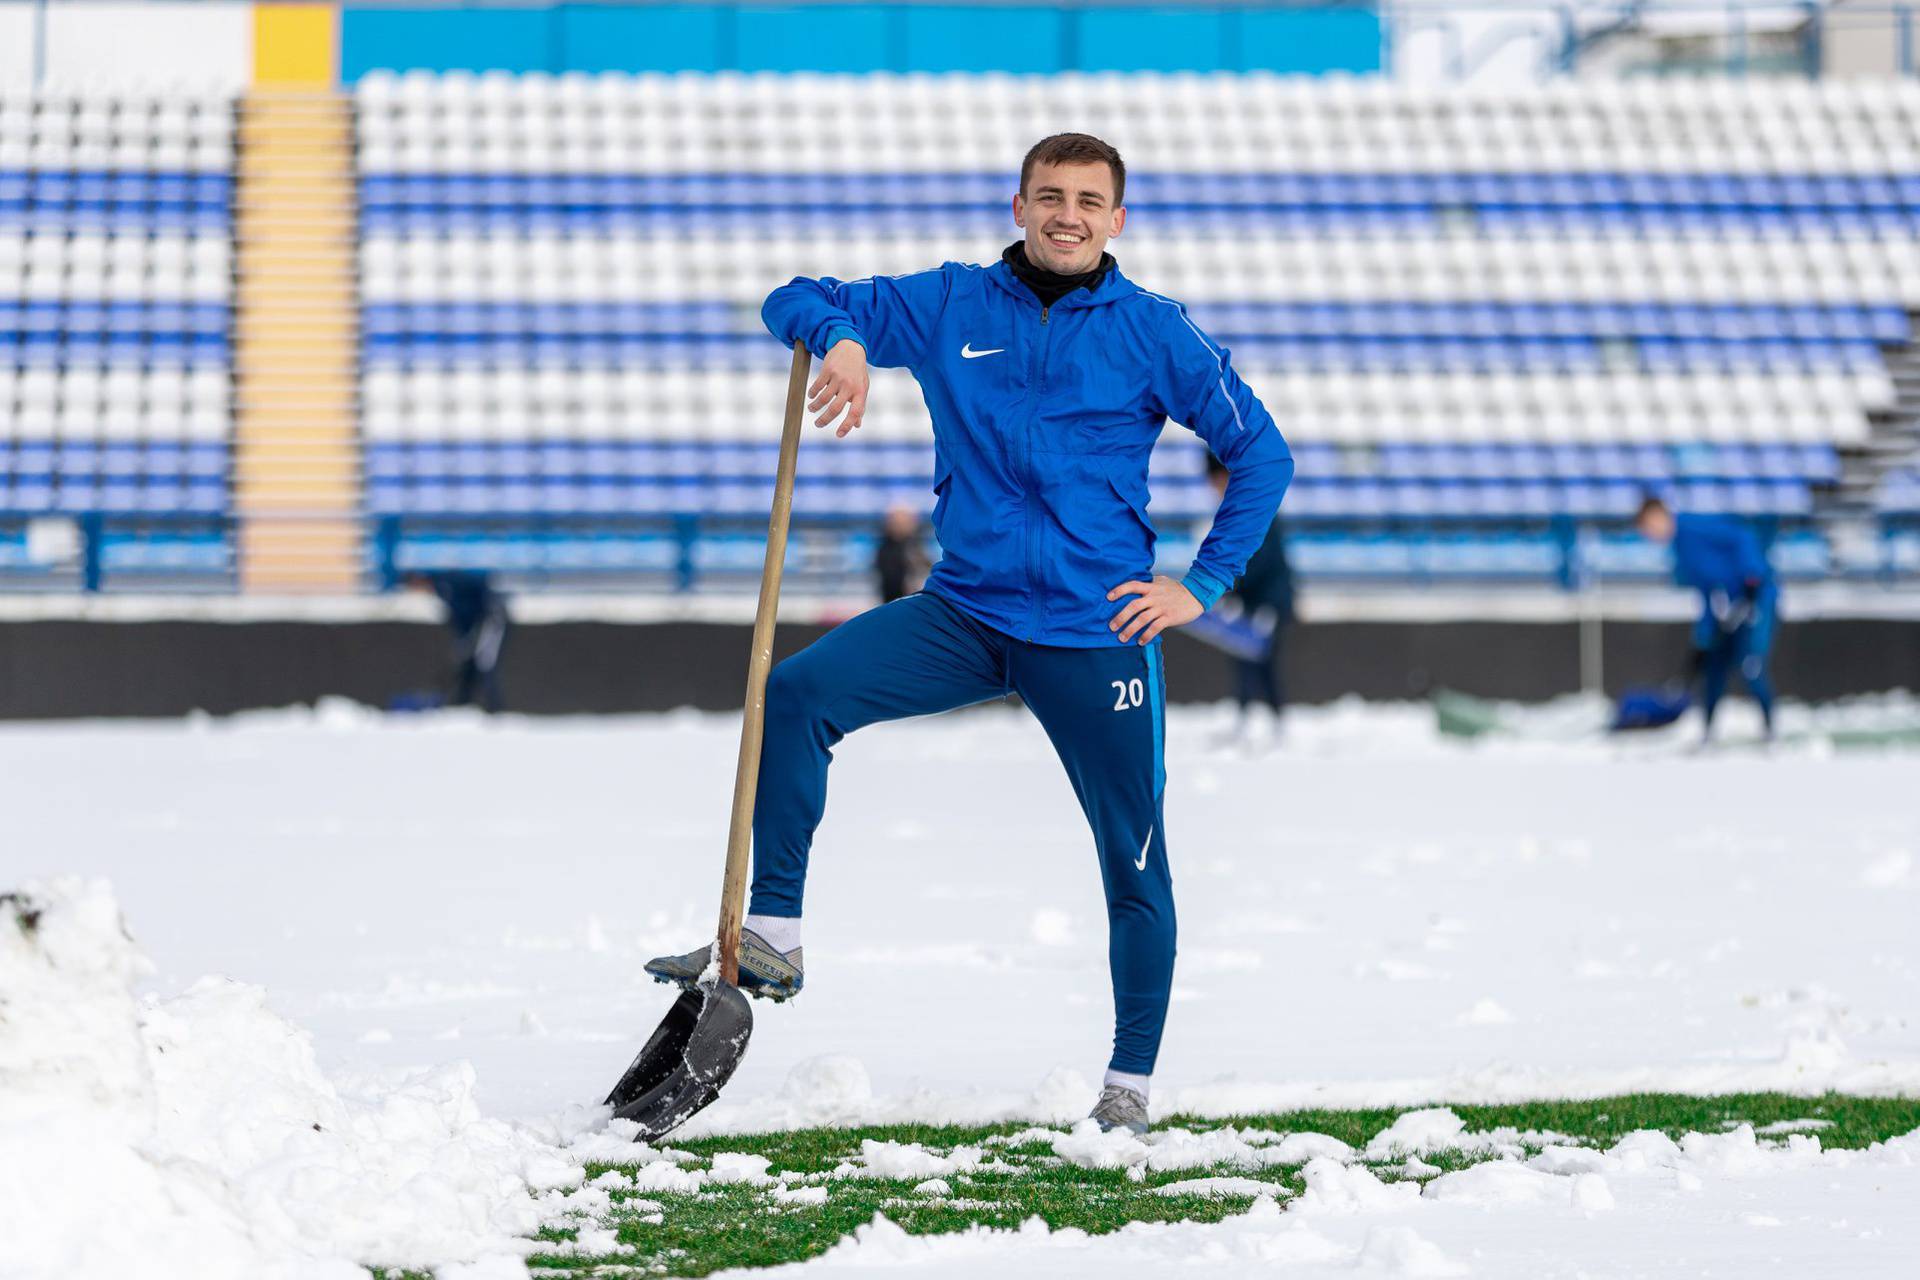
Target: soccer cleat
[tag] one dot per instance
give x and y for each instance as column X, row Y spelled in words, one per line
column 1120, row 1108
column 765, row 973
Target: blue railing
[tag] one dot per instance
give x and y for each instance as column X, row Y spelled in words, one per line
column 97, row 551
column 833, row 555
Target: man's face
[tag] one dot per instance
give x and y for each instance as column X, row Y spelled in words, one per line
column 1069, row 215
column 1656, row 525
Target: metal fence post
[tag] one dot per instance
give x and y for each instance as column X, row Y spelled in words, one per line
column 386, row 543
column 1565, row 536
column 1593, row 673
column 687, row 530
column 92, row 534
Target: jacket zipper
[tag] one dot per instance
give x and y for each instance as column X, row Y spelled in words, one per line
column 1034, row 522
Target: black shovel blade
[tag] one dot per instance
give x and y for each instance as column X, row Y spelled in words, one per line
column 685, row 1062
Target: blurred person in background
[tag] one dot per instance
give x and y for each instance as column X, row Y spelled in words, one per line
column 901, row 559
column 476, row 614
column 1266, row 595
column 1721, row 558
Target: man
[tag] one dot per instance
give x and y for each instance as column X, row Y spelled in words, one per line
column 900, row 558
column 1720, row 557
column 1265, row 593
column 1048, row 376
column 477, row 617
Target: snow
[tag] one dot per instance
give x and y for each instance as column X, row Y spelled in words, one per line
column 1089, row 1148
column 734, row 1166
column 1335, row 1188
column 1798, row 1211
column 425, row 937
column 1418, row 1132
column 1502, row 1182
column 195, row 1134
column 911, row 1160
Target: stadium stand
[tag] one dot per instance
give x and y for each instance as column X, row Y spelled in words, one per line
column 115, row 308
column 1480, row 317
column 1488, row 321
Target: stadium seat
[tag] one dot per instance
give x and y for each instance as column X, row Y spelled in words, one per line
column 116, row 293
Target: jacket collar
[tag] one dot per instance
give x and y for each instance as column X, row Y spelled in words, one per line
column 1113, row 287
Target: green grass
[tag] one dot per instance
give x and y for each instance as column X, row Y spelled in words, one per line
column 742, row 1226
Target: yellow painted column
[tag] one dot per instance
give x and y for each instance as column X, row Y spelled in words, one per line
column 296, row 44
column 297, row 464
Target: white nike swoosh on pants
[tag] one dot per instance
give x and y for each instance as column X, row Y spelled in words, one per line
column 1141, row 865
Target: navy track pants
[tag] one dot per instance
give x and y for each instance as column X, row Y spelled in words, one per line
column 1749, row 651
column 1104, row 710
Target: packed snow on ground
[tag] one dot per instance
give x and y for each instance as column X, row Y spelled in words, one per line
column 424, row 936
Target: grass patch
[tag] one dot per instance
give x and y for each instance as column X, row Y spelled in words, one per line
column 738, row 1225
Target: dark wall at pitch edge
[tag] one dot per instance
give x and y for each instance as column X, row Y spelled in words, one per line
column 61, row 669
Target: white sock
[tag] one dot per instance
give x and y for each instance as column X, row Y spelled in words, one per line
column 1136, row 1083
column 781, row 932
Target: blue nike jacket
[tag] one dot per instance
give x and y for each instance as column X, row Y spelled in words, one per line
column 1043, row 421
column 1719, row 554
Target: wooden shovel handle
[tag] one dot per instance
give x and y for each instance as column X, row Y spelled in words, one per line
column 746, row 775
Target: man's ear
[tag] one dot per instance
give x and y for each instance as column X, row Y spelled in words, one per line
column 1019, row 211
column 1119, row 221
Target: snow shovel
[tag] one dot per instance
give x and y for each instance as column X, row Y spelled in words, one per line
column 687, row 1061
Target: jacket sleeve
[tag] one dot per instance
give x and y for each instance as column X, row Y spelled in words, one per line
column 1196, row 386
column 893, row 317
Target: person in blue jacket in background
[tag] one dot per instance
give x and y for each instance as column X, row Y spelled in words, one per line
column 1721, row 558
column 1048, row 376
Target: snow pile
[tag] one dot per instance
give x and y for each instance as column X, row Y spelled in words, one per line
column 1505, row 1182
column 1180, row 1149
column 1333, row 1187
column 911, row 1160
column 1089, row 1148
column 1259, row 1240
column 195, row 1136
column 731, row 1167
column 1401, row 1251
column 1432, row 1129
column 1163, row 1150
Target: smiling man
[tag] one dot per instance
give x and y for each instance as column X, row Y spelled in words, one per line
column 1048, row 376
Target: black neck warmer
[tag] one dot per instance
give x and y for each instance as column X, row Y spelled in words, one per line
column 1049, row 286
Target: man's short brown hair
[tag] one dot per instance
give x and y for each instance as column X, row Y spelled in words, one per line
column 1076, row 148
column 1648, row 505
